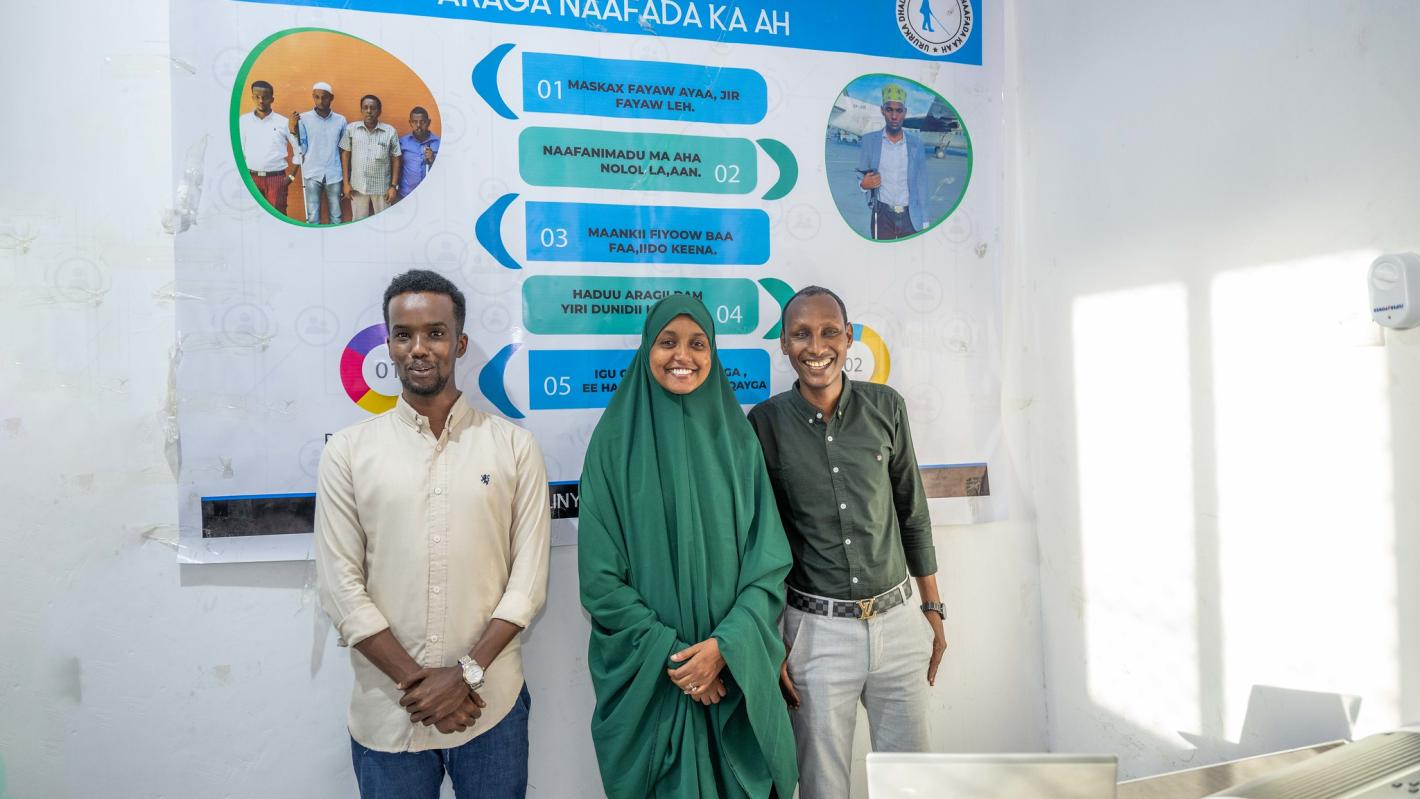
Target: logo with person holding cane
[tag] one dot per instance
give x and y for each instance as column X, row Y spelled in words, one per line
column 936, row 27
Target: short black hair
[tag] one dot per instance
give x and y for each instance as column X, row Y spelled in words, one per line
column 417, row 281
column 419, row 109
column 810, row 291
column 261, row 84
column 378, row 104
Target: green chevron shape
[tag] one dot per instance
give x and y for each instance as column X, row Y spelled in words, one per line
column 788, row 167
column 781, row 292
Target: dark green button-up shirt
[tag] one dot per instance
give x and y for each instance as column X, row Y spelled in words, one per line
column 848, row 490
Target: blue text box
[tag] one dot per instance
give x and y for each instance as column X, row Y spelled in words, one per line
column 658, row 234
column 567, row 379
column 604, row 87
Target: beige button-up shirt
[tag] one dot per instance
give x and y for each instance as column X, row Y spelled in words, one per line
column 431, row 538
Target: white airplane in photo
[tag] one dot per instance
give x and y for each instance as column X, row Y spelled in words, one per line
column 939, row 128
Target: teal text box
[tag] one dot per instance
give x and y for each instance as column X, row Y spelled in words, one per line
column 598, row 159
column 558, row 305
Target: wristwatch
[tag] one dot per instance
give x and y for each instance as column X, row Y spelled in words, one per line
column 472, row 672
column 939, row 608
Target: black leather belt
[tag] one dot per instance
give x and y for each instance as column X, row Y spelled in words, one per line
column 896, row 209
column 851, row 608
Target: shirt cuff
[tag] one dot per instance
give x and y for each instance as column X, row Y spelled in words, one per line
column 361, row 624
column 516, row 608
column 922, row 562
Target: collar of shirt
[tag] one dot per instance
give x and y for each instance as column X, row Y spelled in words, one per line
column 359, row 126
column 406, row 413
column 812, row 412
column 432, row 141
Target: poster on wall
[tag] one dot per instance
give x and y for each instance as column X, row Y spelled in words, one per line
column 567, row 163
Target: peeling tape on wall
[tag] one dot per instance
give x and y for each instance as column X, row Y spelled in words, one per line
column 172, row 448
column 19, row 242
column 187, row 196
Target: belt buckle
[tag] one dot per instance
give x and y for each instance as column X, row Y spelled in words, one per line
column 865, row 608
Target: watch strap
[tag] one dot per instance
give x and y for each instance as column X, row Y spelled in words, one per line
column 939, row 608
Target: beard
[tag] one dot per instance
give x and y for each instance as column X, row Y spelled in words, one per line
column 424, row 391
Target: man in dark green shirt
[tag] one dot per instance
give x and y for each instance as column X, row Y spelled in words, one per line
column 845, row 476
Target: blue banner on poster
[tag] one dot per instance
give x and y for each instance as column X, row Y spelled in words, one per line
column 565, row 379
column 933, row 30
column 604, row 87
column 658, row 234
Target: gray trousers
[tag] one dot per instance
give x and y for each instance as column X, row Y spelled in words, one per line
column 835, row 664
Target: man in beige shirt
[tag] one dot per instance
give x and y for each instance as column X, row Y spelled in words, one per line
column 432, row 536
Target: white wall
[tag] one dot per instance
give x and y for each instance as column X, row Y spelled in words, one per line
column 1223, row 446
column 123, row 674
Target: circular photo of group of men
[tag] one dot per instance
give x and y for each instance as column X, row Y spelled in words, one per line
column 897, row 157
column 332, row 129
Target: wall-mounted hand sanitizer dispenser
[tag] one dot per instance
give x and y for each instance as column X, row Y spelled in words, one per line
column 1394, row 281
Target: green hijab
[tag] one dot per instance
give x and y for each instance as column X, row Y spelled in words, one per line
column 679, row 539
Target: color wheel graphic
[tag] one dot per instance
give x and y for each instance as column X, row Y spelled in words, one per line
column 352, row 370
column 882, row 363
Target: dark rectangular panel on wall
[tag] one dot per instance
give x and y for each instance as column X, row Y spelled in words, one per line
column 284, row 514
column 564, row 498
column 258, row 514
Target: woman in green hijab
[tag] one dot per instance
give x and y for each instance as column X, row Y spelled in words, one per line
column 682, row 559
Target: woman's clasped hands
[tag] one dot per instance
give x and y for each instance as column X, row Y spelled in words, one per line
column 698, row 676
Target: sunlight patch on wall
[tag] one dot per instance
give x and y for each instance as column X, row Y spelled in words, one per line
column 1305, row 483
column 1137, row 595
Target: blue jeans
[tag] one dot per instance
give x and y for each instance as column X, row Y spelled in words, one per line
column 492, row 766
column 314, row 190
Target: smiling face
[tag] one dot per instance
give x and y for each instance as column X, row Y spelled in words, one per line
column 816, row 339
column 425, row 341
column 680, row 356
